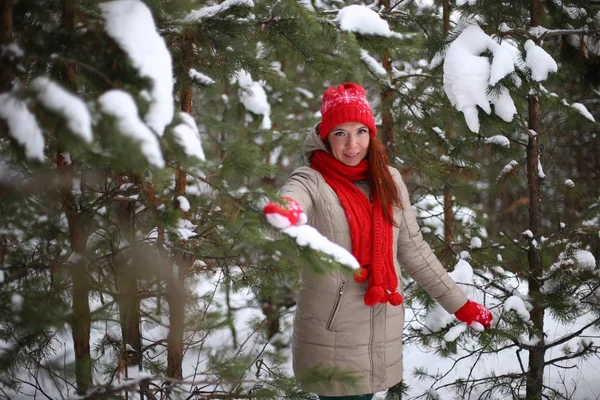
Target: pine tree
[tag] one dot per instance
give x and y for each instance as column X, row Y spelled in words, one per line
column 545, row 251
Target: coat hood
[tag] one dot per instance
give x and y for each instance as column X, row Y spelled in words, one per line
column 312, row 143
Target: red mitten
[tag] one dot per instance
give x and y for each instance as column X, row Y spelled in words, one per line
column 284, row 213
column 472, row 313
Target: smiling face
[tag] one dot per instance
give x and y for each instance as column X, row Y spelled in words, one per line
column 349, row 142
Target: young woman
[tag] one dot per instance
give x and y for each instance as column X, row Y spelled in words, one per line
column 349, row 193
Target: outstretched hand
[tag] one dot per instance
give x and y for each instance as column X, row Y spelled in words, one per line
column 475, row 315
column 284, row 213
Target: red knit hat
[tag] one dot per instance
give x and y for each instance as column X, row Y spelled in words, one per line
column 345, row 103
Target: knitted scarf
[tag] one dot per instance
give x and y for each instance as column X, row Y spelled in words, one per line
column 371, row 233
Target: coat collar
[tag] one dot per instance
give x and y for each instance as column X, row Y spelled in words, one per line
column 312, row 143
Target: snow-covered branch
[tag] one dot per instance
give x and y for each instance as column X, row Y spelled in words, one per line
column 570, row 336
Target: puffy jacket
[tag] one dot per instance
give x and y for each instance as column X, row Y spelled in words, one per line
column 333, row 328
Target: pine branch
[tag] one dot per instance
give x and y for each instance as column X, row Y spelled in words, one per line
column 23, row 271
column 575, row 334
column 572, row 356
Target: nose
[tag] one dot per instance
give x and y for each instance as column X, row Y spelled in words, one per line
column 352, row 139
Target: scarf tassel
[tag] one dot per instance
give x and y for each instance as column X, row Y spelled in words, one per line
column 376, row 294
column 361, row 275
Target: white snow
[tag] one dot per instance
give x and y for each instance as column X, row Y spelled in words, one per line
column 188, row 137
column 454, row 332
column 308, row 94
column 516, row 304
column 583, row 111
column 121, row 106
column 184, row 204
column 211, row 11
column 537, row 31
column 12, row 49
column 363, row 20
column 430, row 212
column 498, row 140
column 508, row 168
column 467, row 76
column 16, row 302
column 475, row 243
column 22, row 126
column 527, row 233
column 374, row 66
column 540, row 62
column 584, row 259
column 503, row 27
column 569, row 183
column 439, row 132
column 254, row 98
column 463, row 2
column 69, row 106
column 130, row 24
column 541, row 173
column 306, row 235
column 504, row 106
column 278, row 221
column 185, row 229
column 200, row 77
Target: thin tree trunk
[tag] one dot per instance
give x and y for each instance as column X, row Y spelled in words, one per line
column 81, row 320
column 175, row 282
column 387, row 106
column 387, row 99
column 449, row 220
column 69, row 9
column 6, row 28
column 535, row 374
column 126, row 277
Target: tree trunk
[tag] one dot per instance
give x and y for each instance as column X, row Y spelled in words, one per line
column 81, row 320
column 387, row 106
column 126, row 276
column 69, row 8
column 387, row 100
column 175, row 281
column 535, row 374
column 6, row 28
column 449, row 220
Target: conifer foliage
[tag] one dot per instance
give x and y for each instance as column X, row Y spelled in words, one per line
column 140, row 139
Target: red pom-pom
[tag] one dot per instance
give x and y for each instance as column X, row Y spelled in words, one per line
column 361, row 275
column 374, row 295
column 395, row 298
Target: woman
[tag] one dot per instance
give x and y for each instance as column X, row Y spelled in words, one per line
column 351, row 195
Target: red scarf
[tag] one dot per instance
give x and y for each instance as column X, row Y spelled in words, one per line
column 371, row 233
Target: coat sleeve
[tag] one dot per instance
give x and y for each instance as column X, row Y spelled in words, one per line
column 416, row 257
column 302, row 186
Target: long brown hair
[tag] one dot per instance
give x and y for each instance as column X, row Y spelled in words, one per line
column 380, row 178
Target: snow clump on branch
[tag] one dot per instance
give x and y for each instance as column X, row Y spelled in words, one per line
column 467, row 76
column 363, row 20
column 130, row 24
column 22, row 126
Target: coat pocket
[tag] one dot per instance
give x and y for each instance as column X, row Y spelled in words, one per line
column 336, row 306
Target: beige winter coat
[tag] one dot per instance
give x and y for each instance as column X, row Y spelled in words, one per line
column 333, row 328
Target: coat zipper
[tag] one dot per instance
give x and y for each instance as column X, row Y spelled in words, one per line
column 336, row 306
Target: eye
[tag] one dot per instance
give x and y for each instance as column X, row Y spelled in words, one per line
column 339, row 133
column 363, row 130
